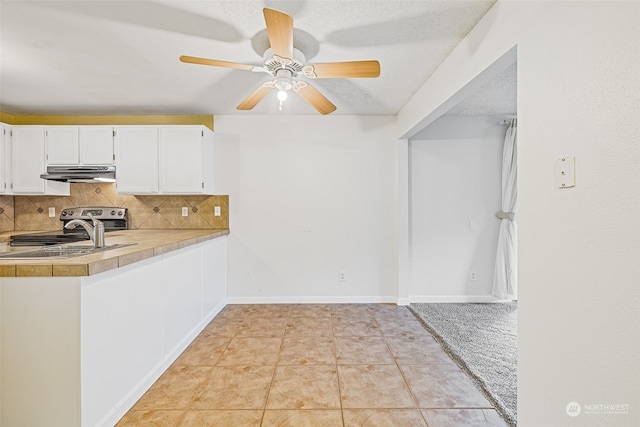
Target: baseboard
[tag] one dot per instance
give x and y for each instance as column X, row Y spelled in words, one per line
column 122, row 407
column 403, row 301
column 455, row 298
column 313, row 300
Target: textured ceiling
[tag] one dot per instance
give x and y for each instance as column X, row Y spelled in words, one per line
column 496, row 98
column 121, row 57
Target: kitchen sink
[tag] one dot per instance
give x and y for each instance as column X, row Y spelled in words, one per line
column 59, row 251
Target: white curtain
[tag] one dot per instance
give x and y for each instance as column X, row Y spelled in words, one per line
column 505, row 277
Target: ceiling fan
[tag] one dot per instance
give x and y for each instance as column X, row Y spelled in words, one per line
column 286, row 63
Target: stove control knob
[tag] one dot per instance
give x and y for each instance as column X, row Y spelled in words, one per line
column 120, row 213
column 64, row 213
column 113, row 212
column 70, row 213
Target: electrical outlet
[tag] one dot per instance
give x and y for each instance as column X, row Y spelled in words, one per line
column 473, row 275
column 52, row 212
column 342, row 276
column 216, row 211
column 185, row 211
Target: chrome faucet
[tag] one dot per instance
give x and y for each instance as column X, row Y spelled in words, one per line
column 96, row 232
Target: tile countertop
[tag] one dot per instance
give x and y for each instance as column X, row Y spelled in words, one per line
column 148, row 243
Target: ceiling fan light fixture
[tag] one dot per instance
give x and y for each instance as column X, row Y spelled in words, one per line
column 284, row 83
column 272, row 62
column 282, row 96
column 284, row 79
column 285, row 63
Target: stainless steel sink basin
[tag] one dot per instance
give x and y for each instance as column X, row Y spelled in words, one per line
column 59, row 251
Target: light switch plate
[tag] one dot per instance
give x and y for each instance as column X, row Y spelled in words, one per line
column 185, row 211
column 566, row 172
column 216, row 211
column 52, row 212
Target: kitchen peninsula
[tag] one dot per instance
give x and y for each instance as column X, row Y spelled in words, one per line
column 84, row 337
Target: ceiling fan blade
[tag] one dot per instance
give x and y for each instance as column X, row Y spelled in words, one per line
column 331, row 70
column 280, row 31
column 216, row 63
column 257, row 96
column 313, row 97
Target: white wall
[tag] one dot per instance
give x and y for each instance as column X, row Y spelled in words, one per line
column 309, row 196
column 455, row 194
column 579, row 275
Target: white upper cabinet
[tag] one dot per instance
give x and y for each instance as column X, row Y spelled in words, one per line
column 136, row 150
column 27, row 151
column 79, row 145
column 62, row 145
column 171, row 160
column 95, row 145
column 186, row 156
column 5, row 159
column 28, row 162
column 164, row 160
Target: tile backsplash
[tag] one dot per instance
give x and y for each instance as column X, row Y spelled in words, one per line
column 32, row 212
column 6, row 213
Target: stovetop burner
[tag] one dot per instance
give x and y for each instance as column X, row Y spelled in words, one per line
column 114, row 219
column 46, row 238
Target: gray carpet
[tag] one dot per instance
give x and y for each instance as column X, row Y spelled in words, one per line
column 482, row 339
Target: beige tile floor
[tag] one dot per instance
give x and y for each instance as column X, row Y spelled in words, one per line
column 313, row 365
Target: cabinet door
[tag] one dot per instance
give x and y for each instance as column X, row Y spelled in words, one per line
column 181, row 159
column 27, row 152
column 62, row 145
column 136, row 149
column 5, row 159
column 181, row 295
column 214, row 275
column 96, row 145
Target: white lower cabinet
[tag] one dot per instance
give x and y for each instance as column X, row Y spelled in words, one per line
column 181, row 295
column 80, row 351
column 120, row 337
column 214, row 268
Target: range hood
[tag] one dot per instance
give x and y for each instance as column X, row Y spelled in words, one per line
column 80, row 173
